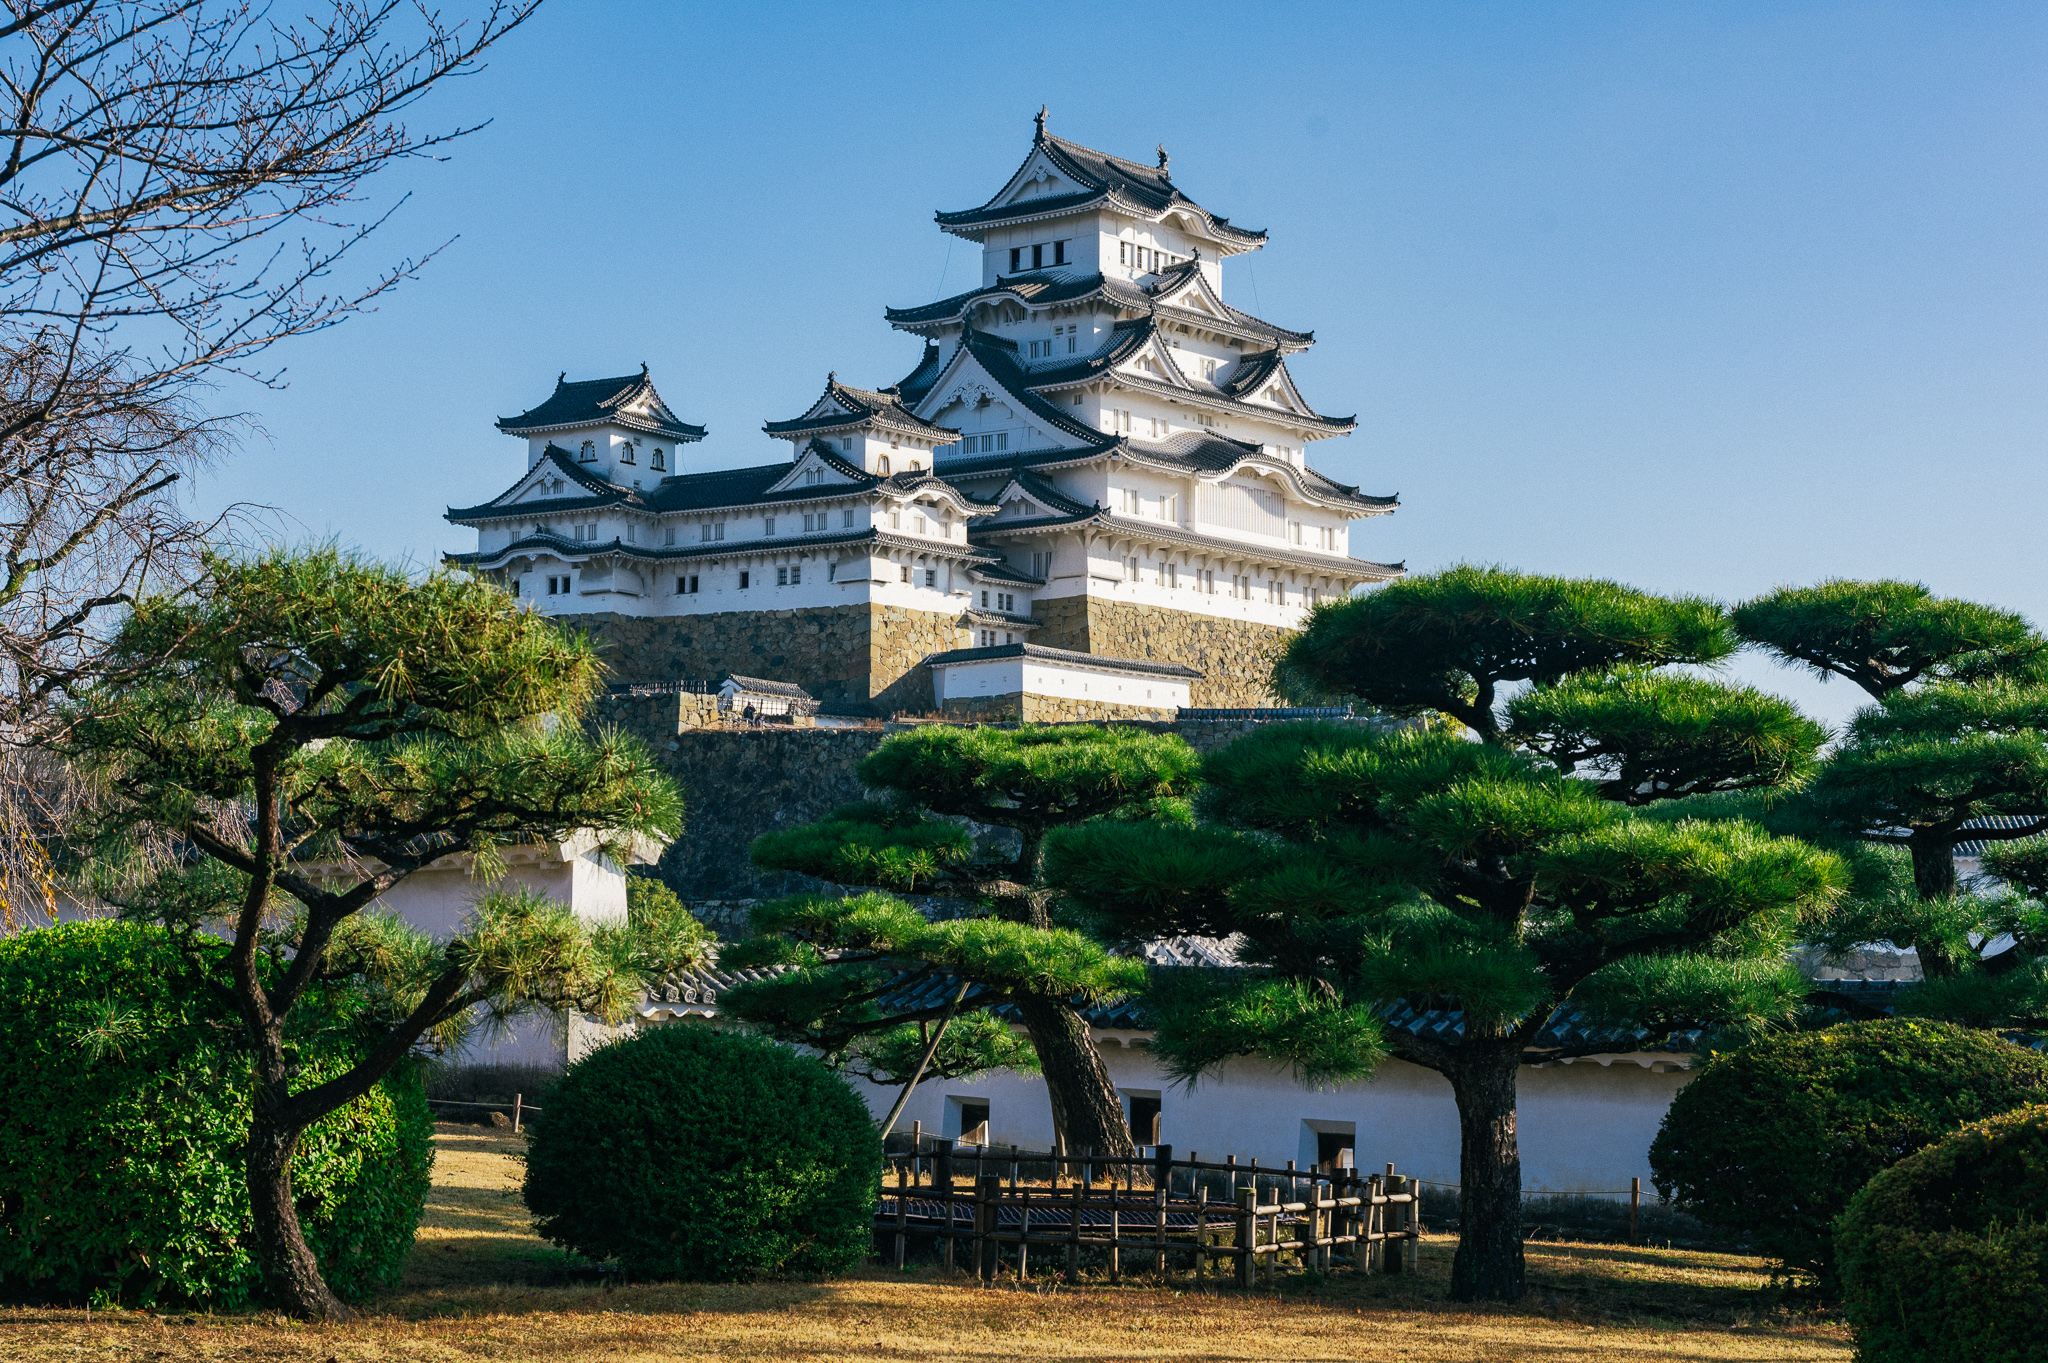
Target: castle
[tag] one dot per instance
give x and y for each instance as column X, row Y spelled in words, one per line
column 1090, row 499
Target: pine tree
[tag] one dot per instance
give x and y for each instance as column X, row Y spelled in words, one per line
column 1374, row 875
column 865, row 967
column 304, row 731
column 1952, row 741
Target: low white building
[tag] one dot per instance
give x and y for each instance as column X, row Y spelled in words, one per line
column 1590, row 1101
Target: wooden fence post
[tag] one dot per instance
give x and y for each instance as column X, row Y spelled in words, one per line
column 515, row 1112
column 942, row 1188
column 1075, row 1192
column 1201, row 1229
column 902, row 1212
column 1162, row 1180
column 1397, row 1223
column 1635, row 1205
column 1247, row 1235
column 987, row 1251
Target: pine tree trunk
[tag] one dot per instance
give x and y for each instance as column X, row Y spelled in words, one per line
column 1934, row 877
column 289, row 1268
column 1085, row 1108
column 1488, row 1266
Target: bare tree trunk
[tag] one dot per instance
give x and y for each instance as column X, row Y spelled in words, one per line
column 289, row 1268
column 1488, row 1266
column 1085, row 1108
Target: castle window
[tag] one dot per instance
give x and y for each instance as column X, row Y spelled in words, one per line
column 767, row 525
column 668, row 538
column 626, row 452
column 1123, row 253
column 1130, row 570
column 514, row 584
column 845, row 442
column 588, row 453
column 1276, row 592
column 1294, row 532
column 931, row 577
column 1009, row 603
column 1059, row 253
column 814, row 520
column 984, row 600
column 988, row 638
column 686, row 586
column 905, row 572
column 1041, row 564
column 1170, row 575
column 660, row 461
column 895, row 443
column 832, row 571
column 712, row 530
column 743, row 579
column 1169, row 508
column 1016, row 258
column 1038, row 256
column 846, row 518
column 814, row 476
column 882, row 464
column 896, row 523
column 919, row 525
column 1327, row 536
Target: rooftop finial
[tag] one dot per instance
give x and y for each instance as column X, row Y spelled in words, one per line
column 1040, row 120
column 1162, row 160
column 561, row 378
column 831, row 376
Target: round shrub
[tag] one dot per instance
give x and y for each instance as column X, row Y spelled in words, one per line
column 1776, row 1137
column 124, row 1105
column 689, row 1152
column 1944, row 1256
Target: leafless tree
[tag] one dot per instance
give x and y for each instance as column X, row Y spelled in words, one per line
column 180, row 182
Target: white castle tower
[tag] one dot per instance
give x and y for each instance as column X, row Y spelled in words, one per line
column 1091, row 497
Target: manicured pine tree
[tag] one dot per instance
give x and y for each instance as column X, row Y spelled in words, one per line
column 1953, row 739
column 1375, row 875
column 865, row 967
column 305, row 731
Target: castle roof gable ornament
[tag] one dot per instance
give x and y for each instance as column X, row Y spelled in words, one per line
column 1163, row 172
column 1040, row 122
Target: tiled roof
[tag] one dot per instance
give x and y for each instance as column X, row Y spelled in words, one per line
column 598, row 493
column 590, row 402
column 1039, row 287
column 1066, row 657
column 913, row 386
column 858, row 405
column 761, row 686
column 1160, row 530
column 973, row 555
column 1146, row 190
column 998, row 356
column 2010, row 824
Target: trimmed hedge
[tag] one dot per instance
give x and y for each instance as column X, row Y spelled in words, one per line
column 124, row 1104
column 1944, row 1256
column 690, row 1152
column 1776, row 1137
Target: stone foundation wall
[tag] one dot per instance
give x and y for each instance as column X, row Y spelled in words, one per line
column 1235, row 657
column 837, row 653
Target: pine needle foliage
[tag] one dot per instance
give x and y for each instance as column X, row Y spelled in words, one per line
column 311, row 729
column 853, row 962
column 1374, row 875
column 1951, row 749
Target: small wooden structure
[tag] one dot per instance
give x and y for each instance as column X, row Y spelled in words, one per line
column 1187, row 1214
column 755, row 698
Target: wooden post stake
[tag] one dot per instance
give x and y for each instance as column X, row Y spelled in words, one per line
column 987, row 1252
column 1162, row 1179
column 902, row 1212
column 942, row 1188
column 1635, row 1205
column 1247, row 1236
column 1074, row 1191
column 1201, row 1230
column 515, row 1112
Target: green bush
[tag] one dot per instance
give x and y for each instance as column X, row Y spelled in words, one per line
column 124, row 1104
column 1776, row 1137
column 689, row 1152
column 1944, row 1256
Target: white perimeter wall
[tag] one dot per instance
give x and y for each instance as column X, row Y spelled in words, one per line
column 1584, row 1127
column 1035, row 677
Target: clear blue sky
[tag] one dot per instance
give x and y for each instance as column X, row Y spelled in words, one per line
column 1702, row 297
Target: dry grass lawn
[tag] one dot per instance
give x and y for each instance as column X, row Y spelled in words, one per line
column 480, row 1286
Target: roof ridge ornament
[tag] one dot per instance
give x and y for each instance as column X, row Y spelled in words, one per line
column 1164, row 173
column 1040, row 121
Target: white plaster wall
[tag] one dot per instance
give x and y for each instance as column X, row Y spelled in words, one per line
column 1582, row 1128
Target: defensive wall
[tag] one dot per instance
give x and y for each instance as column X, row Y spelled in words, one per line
column 739, row 782
column 873, row 653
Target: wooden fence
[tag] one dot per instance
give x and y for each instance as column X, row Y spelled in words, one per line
column 1200, row 1216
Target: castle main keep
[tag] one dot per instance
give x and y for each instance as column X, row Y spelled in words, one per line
column 1091, row 498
